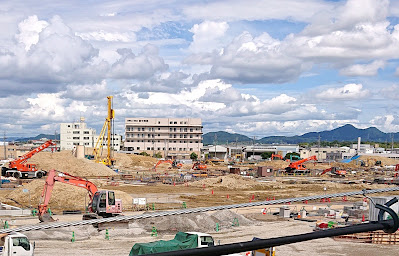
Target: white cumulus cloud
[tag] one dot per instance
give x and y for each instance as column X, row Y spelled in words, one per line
column 347, row 92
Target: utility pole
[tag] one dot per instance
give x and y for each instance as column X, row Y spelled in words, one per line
column 318, row 148
column 215, row 142
column 253, row 147
column 4, row 144
column 392, row 143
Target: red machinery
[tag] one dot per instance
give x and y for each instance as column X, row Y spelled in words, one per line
column 174, row 164
column 298, row 165
column 199, row 166
column 101, row 203
column 277, row 156
column 20, row 169
column 396, row 170
column 335, row 172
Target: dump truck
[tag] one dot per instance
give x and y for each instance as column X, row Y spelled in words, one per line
column 15, row 244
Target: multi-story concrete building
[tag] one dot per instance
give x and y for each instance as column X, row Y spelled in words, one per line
column 172, row 137
column 77, row 133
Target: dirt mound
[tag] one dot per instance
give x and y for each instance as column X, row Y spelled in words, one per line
column 200, row 222
column 64, row 197
column 131, row 161
column 64, row 161
column 384, row 160
column 232, row 182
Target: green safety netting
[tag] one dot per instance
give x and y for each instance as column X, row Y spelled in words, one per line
column 181, row 241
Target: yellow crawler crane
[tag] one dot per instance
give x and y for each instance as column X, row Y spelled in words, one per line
column 107, row 127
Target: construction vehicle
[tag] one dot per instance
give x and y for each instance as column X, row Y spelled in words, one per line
column 294, row 157
column 107, row 128
column 199, row 166
column 15, row 244
column 397, row 170
column 101, row 203
column 298, row 165
column 18, row 168
column 174, row 164
column 334, row 171
column 182, row 241
column 274, row 156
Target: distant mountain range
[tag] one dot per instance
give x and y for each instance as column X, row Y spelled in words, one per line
column 345, row 133
column 38, row 137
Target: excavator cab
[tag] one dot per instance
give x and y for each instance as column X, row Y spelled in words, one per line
column 105, row 204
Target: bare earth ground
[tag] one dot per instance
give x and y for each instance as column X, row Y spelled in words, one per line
column 229, row 189
column 122, row 245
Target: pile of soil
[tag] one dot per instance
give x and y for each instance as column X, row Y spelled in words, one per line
column 231, row 182
column 200, row 222
column 64, row 161
column 133, row 162
column 64, row 196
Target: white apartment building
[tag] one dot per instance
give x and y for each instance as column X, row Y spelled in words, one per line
column 174, row 138
column 77, row 133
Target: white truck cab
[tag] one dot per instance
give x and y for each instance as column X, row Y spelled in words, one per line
column 204, row 239
column 15, row 244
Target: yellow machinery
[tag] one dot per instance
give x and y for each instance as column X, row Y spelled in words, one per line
column 107, row 127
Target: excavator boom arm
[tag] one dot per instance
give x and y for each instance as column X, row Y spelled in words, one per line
column 67, row 179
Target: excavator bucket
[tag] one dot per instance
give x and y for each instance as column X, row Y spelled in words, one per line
column 46, row 218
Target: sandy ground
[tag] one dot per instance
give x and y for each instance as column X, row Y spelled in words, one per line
column 122, row 245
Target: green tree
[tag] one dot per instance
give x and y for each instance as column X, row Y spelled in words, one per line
column 158, row 155
column 144, row 153
column 266, row 155
column 193, row 156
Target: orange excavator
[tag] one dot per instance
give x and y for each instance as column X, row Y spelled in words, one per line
column 101, row 203
column 274, row 156
column 199, row 166
column 20, row 169
column 174, row 164
column 335, row 172
column 298, row 165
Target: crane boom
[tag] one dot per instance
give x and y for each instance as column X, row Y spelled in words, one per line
column 298, row 164
column 22, row 159
column 20, row 169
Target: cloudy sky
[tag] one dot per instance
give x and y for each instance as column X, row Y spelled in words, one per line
column 256, row 67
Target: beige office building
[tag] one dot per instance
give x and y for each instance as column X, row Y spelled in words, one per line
column 174, row 138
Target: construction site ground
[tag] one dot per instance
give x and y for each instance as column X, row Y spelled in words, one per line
column 227, row 189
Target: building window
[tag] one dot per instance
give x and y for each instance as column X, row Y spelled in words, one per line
column 86, row 132
column 138, row 148
column 191, row 129
column 159, row 129
column 75, row 138
column 69, row 126
column 85, row 138
column 191, row 149
column 174, row 122
column 148, row 148
column 170, row 122
column 76, row 132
